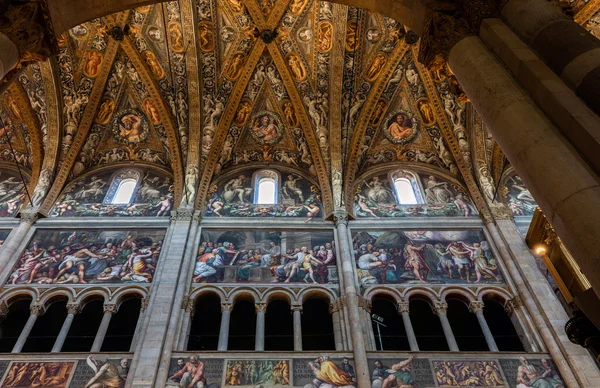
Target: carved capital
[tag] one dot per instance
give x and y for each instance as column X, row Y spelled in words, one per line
column 298, row 307
column 29, row 217
column 476, row 307
column 340, row 217
column 261, row 307
column 3, row 311
column 110, row 308
column 36, row 309
column 501, row 212
column 226, row 307
column 144, row 305
column 403, row 307
column 440, row 307
column 185, row 213
column 73, row 308
column 29, row 26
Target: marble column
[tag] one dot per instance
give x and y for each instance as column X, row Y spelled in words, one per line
column 9, row 55
column 72, row 309
column 351, row 300
column 16, row 237
column 565, row 187
column 36, row 311
column 566, row 47
column 441, row 309
column 404, row 310
column 476, row 308
column 261, row 311
column 334, row 310
column 109, row 310
column 224, row 329
column 297, row 315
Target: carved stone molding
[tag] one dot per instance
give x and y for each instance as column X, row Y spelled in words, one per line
column 476, row 306
column 440, row 307
column 110, row 308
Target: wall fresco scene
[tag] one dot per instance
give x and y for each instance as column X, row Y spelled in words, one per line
column 435, row 257
column 12, row 193
column 266, row 257
column 89, row 373
column 296, row 198
column 89, row 256
column 517, row 196
column 93, row 195
column 376, row 197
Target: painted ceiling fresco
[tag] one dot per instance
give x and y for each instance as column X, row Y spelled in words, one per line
column 204, row 87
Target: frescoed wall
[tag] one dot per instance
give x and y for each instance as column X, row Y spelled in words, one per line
column 405, row 372
column 324, row 371
column 236, row 196
column 92, row 195
column 435, row 257
column 89, row 256
column 517, row 196
column 12, row 193
column 90, row 372
column 265, row 257
column 377, row 197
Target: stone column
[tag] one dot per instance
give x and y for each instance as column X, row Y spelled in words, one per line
column 224, row 329
column 334, row 310
column 476, row 308
column 565, row 187
column 441, row 309
column 36, row 311
column 261, row 310
column 566, row 47
column 188, row 315
column 72, row 309
column 297, row 314
column 351, row 298
column 109, row 310
column 404, row 310
column 16, row 237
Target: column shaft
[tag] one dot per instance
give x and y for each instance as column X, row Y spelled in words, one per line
column 477, row 309
column 337, row 331
column 101, row 333
column 298, row 329
column 565, row 187
column 224, row 329
column 13, row 241
column 410, row 333
column 440, row 310
column 24, row 334
column 259, row 344
column 62, row 335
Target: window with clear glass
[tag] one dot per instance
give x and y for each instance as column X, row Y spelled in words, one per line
column 124, row 192
column 405, row 192
column 266, row 192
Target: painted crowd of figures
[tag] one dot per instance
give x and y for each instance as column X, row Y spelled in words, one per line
column 424, row 257
column 376, row 198
column 264, row 262
column 81, row 257
column 88, row 198
column 12, row 194
column 519, row 199
column 235, row 197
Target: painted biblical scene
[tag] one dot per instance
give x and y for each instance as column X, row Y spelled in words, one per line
column 527, row 372
column 405, row 372
column 517, row 196
column 468, row 374
column 432, row 257
column 38, row 374
column 89, row 256
column 12, row 193
column 255, row 373
column 324, row 372
column 408, row 194
column 98, row 372
column 246, row 194
column 195, row 371
column 126, row 192
column 231, row 256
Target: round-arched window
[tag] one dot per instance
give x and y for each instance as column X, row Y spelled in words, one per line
column 405, row 191
column 266, row 191
column 124, row 192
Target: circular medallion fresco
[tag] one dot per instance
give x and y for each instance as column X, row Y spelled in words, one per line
column 130, row 127
column 266, row 127
column 400, row 127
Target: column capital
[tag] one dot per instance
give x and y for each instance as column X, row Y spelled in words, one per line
column 189, row 305
column 226, row 307
column 29, row 26
column 110, row 308
column 261, row 307
column 340, row 217
column 441, row 307
column 298, row 307
column 73, row 308
column 184, row 213
column 144, row 305
column 3, row 310
column 404, row 307
column 476, row 306
column 28, row 216
column 37, row 310
column 511, row 305
column 501, row 212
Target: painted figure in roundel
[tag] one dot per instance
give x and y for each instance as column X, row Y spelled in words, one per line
column 151, row 111
column 154, row 65
column 243, row 113
column 92, row 64
column 376, row 67
column 400, row 127
column 266, row 128
column 176, row 37
column 426, row 112
column 206, row 37
column 325, row 39
column 236, row 66
column 105, row 112
column 297, row 67
column 130, row 127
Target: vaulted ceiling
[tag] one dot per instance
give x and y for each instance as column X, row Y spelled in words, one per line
column 190, row 84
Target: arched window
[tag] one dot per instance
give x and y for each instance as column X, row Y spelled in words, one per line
column 266, row 187
column 405, row 191
column 204, row 333
column 124, row 192
column 317, row 336
column 392, row 336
